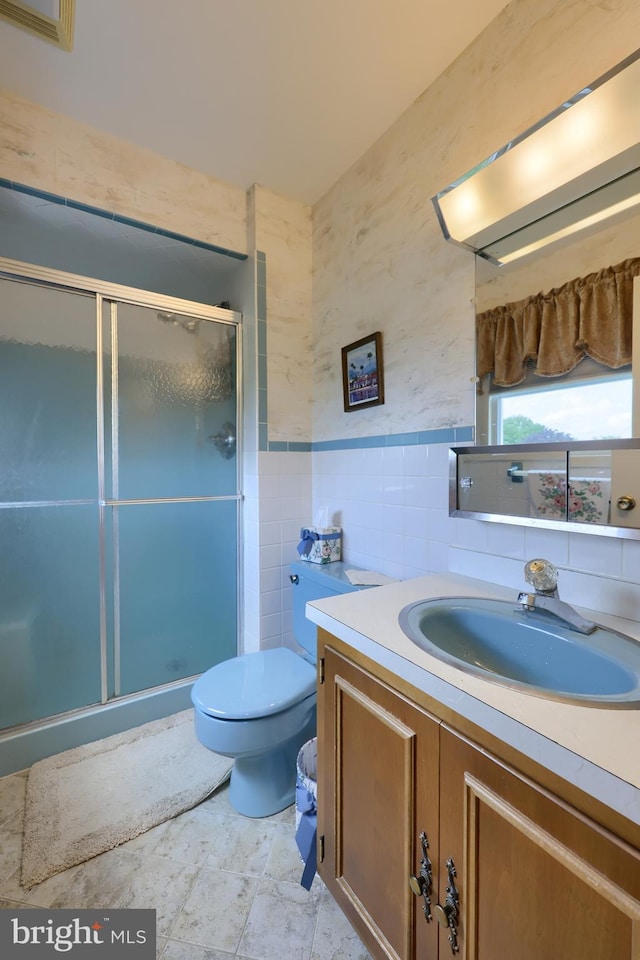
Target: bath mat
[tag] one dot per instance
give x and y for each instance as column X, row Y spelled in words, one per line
column 92, row 798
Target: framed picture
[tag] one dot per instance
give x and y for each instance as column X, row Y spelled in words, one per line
column 362, row 377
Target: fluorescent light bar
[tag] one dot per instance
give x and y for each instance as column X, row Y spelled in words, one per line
column 614, row 198
column 555, row 178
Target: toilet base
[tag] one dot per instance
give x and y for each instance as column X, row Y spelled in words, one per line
column 265, row 784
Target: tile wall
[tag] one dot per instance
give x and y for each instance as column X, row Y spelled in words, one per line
column 392, row 503
column 277, row 504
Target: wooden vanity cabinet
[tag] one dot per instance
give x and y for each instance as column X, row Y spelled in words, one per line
column 536, row 879
column 378, row 760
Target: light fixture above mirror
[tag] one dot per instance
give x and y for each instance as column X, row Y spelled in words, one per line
column 578, row 166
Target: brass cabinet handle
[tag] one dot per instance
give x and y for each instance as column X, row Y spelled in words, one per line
column 421, row 884
column 447, row 916
column 625, row 503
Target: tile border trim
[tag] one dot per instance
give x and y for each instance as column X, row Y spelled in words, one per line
column 118, row 218
column 451, row 435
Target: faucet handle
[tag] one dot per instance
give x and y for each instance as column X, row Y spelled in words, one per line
column 542, row 575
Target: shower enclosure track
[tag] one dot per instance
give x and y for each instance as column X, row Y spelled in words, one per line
column 23, row 744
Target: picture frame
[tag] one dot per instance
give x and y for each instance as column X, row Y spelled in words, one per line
column 362, row 373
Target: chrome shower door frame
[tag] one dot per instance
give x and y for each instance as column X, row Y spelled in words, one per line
column 112, row 294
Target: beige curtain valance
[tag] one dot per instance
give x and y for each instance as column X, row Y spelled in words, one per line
column 590, row 316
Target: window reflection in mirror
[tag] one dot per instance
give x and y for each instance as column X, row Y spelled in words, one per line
column 592, row 401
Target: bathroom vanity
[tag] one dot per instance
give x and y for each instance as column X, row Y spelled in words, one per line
column 511, row 821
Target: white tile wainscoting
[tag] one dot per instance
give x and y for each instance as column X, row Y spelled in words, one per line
column 392, row 503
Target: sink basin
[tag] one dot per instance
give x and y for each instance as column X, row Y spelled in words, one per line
column 532, row 651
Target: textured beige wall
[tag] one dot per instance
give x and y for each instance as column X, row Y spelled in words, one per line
column 283, row 233
column 51, row 152
column 380, row 262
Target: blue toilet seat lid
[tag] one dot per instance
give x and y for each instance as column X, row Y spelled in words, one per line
column 254, row 685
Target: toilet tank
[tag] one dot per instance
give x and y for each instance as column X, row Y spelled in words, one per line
column 312, row 581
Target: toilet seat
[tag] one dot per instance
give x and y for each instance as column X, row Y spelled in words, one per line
column 254, row 685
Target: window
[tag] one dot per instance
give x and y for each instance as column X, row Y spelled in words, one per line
column 591, row 402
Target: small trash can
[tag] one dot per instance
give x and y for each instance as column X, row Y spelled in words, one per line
column 306, row 808
column 306, row 776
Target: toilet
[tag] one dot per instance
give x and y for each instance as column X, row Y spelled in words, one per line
column 261, row 707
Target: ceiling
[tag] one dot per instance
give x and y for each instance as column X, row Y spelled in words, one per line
column 284, row 93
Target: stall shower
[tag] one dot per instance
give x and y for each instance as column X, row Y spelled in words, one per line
column 119, row 497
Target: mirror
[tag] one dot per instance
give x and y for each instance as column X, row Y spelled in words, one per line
column 587, row 488
column 584, row 158
column 586, row 480
column 593, row 250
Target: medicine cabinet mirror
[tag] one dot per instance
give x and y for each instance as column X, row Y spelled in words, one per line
column 587, row 487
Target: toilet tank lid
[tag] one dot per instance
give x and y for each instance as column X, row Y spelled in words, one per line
column 254, row 685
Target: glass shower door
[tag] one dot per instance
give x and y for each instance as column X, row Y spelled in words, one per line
column 171, row 494
column 49, row 561
column 119, row 494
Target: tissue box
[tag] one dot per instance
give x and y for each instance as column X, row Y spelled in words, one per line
column 320, row 544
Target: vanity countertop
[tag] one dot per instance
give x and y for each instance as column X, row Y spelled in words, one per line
column 597, row 749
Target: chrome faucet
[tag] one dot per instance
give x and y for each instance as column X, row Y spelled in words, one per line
column 543, row 577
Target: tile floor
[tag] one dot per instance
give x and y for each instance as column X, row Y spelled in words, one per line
column 223, row 886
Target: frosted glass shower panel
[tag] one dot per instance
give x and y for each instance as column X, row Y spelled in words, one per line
column 118, row 493
column 176, row 575
column 49, row 611
column 175, row 388
column 47, row 394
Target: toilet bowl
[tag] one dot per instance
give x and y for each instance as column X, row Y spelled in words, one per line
column 259, row 708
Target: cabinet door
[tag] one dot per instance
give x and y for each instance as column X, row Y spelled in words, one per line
column 378, row 773
column 535, row 878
